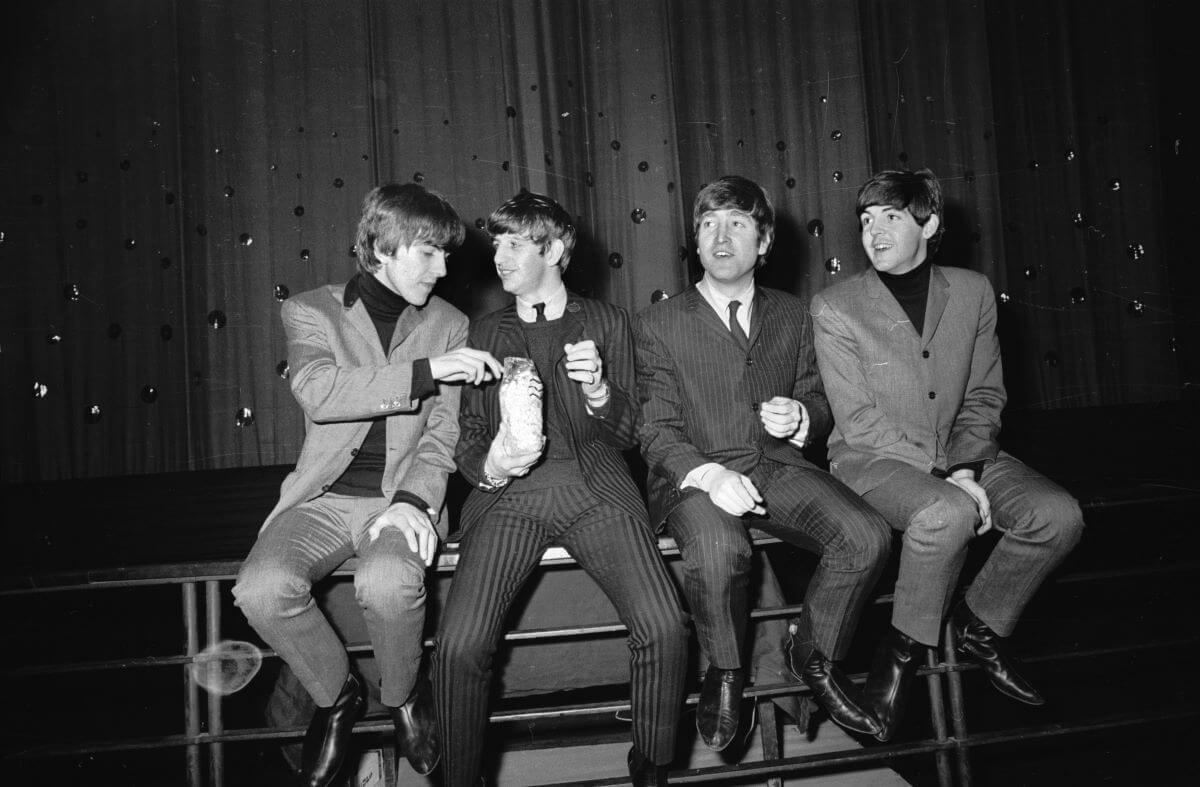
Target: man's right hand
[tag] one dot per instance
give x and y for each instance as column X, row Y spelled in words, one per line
column 733, row 492
column 501, row 464
column 465, row 365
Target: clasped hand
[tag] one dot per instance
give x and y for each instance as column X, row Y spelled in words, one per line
column 733, row 493
column 415, row 524
column 501, row 464
column 969, row 485
column 585, row 367
column 782, row 417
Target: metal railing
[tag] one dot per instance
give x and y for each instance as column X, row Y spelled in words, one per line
column 950, row 744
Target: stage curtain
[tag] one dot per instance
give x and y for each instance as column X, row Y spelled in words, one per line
column 175, row 169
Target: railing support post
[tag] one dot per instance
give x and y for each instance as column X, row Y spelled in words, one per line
column 212, row 619
column 191, row 690
column 937, row 715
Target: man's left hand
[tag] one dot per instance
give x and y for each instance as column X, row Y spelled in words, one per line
column 782, row 417
column 585, row 367
column 415, row 524
column 965, row 480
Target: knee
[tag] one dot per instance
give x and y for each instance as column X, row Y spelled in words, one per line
column 1055, row 521
column 390, row 587
column 865, row 547
column 946, row 526
column 717, row 557
column 460, row 649
column 665, row 630
column 266, row 592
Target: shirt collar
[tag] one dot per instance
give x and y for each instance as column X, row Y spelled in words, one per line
column 720, row 303
column 556, row 304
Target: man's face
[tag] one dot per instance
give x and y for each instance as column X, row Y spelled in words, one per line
column 523, row 268
column 729, row 245
column 894, row 241
column 412, row 271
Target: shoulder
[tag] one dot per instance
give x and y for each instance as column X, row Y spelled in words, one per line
column 592, row 309
column 964, row 277
column 843, row 292
column 668, row 309
column 440, row 309
column 327, row 299
column 780, row 299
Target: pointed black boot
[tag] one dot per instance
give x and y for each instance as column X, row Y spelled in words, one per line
column 891, row 675
column 976, row 639
column 720, row 708
column 830, row 687
column 643, row 772
column 416, row 728
column 328, row 737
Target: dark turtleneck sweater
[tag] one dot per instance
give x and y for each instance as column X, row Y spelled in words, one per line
column 364, row 476
column 911, row 291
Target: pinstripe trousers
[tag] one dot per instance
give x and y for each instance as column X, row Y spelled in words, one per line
column 806, row 507
column 497, row 556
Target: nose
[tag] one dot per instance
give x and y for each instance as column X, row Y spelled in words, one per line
column 439, row 264
column 722, row 230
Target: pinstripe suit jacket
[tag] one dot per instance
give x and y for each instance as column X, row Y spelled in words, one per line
column 342, row 380
column 700, row 393
column 597, row 439
column 903, row 399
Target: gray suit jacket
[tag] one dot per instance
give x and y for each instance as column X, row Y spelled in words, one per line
column 342, row 380
column 902, row 399
column 701, row 393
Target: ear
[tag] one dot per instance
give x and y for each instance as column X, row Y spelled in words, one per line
column 379, row 256
column 764, row 243
column 931, row 226
column 555, row 252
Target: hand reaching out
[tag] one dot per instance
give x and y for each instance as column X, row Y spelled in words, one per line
column 465, row 365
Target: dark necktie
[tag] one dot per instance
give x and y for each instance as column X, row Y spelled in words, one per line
column 735, row 327
column 540, row 308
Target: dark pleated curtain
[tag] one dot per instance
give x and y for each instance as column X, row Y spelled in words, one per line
column 177, row 169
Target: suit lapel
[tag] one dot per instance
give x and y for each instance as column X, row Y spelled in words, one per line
column 358, row 317
column 410, row 318
column 758, row 316
column 694, row 303
column 935, row 305
column 884, row 303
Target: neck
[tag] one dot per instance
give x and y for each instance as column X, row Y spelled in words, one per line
column 731, row 289
column 379, row 299
column 543, row 293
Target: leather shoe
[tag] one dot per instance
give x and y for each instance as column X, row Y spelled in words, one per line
column 836, row 693
column 720, row 707
column 328, row 735
column 416, row 728
column 976, row 639
column 643, row 772
column 891, row 675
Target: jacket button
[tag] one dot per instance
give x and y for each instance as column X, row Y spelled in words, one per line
column 749, row 361
column 325, row 488
column 353, row 452
column 932, row 395
column 924, row 353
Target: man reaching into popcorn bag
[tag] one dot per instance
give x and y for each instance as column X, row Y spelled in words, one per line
column 543, row 452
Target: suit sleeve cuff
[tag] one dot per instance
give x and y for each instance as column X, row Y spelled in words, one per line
column 404, row 496
column 422, row 379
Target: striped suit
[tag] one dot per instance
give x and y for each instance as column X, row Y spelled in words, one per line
column 602, row 523
column 700, row 394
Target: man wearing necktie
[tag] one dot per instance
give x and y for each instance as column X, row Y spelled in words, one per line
column 574, row 491
column 730, row 395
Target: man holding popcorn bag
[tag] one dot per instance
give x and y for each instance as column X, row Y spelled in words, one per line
column 553, row 476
